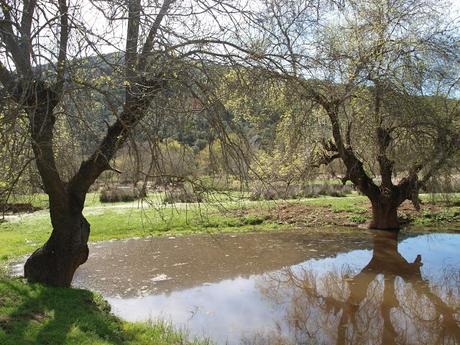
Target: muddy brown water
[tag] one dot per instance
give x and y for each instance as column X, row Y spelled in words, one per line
column 287, row 288
column 290, row 287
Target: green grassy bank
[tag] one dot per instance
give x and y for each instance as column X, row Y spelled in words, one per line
column 35, row 314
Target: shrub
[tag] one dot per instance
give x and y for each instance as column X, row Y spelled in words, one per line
column 277, row 191
column 181, row 196
column 19, row 208
column 120, row 194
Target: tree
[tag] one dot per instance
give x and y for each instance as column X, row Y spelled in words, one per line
column 46, row 47
column 385, row 74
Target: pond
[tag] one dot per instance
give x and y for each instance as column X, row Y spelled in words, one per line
column 289, row 287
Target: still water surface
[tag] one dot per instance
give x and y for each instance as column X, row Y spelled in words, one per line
column 290, row 287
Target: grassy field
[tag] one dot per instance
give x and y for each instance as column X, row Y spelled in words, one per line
column 34, row 314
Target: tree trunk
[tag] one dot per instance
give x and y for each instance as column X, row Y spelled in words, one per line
column 384, row 215
column 66, row 249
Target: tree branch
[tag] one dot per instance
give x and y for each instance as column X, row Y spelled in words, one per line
column 148, row 45
column 116, row 135
column 132, row 39
column 63, row 39
column 355, row 169
column 26, row 22
column 20, row 56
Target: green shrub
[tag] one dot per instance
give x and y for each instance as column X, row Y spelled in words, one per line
column 279, row 190
column 181, row 196
column 120, row 194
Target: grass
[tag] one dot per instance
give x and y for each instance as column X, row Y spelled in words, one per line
column 444, row 216
column 35, row 314
column 22, row 236
column 357, row 218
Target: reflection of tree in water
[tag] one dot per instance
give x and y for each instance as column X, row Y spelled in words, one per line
column 387, row 302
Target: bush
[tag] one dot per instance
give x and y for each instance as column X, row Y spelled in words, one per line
column 443, row 184
column 120, row 194
column 276, row 191
column 254, row 220
column 19, row 208
column 181, row 196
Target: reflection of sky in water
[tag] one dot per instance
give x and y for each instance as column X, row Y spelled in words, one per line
column 438, row 251
column 230, row 307
column 355, row 260
column 235, row 307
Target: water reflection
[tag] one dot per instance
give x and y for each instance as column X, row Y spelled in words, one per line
column 387, row 302
column 288, row 288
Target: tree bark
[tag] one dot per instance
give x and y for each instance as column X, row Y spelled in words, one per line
column 66, row 249
column 384, row 215
column 56, row 262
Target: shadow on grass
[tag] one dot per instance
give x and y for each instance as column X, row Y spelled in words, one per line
column 35, row 314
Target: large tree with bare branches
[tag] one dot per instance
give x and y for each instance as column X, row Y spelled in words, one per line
column 385, row 74
column 44, row 45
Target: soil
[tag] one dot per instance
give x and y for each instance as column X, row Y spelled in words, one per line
column 313, row 215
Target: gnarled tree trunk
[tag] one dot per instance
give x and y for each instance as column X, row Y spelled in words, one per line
column 384, row 214
column 55, row 263
column 66, row 249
